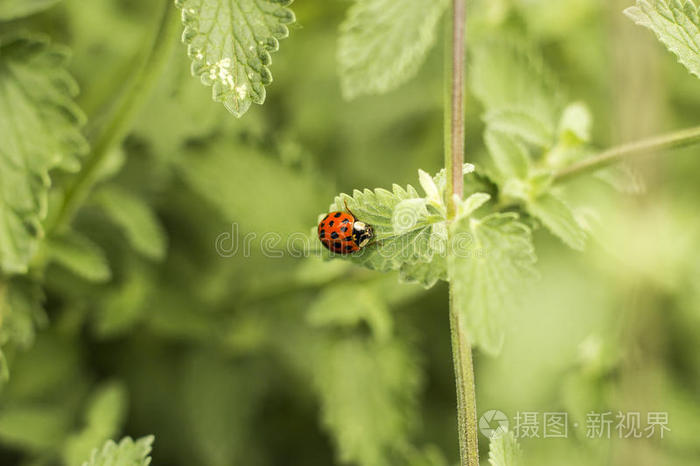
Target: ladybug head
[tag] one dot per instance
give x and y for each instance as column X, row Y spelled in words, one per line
column 362, row 233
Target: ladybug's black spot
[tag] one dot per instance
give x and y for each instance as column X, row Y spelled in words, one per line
column 331, row 223
column 338, row 245
column 348, row 248
column 324, row 218
column 343, row 229
column 346, row 220
column 334, row 235
column 322, row 232
column 337, row 214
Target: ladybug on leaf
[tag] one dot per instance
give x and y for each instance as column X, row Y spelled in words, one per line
column 343, row 233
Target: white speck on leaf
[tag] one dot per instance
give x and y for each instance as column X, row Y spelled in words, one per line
column 221, row 70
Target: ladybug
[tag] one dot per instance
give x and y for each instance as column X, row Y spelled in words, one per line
column 342, row 233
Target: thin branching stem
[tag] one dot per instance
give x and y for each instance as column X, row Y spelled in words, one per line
column 677, row 139
column 455, row 59
column 121, row 119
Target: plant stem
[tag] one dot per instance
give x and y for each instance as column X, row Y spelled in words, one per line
column 120, row 122
column 458, row 65
column 466, row 389
column 455, row 59
column 677, row 139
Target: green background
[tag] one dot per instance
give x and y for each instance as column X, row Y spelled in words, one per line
column 226, row 359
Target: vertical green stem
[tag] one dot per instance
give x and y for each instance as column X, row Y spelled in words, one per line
column 459, row 16
column 455, row 59
column 447, row 116
column 466, row 390
column 137, row 91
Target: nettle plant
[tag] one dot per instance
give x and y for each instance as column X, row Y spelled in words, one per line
column 471, row 226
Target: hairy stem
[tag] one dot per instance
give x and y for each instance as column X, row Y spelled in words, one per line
column 455, row 58
column 677, row 139
column 121, row 119
column 466, row 389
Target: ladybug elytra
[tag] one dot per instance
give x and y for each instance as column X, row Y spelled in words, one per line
column 342, row 233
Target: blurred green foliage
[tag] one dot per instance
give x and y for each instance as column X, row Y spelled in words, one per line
column 232, row 357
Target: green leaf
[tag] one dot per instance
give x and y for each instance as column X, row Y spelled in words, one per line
column 504, row 449
column 491, row 257
column 13, row 9
column 558, row 218
column 518, row 93
column 21, row 312
column 123, row 306
column 676, row 23
column 519, row 123
column 218, row 405
column 467, row 207
column 126, row 453
column 231, row 175
column 103, row 419
column 360, row 304
column 410, row 230
column 428, row 456
column 408, row 215
column 575, row 124
column 510, row 156
column 136, row 218
column 42, row 370
column 426, row 274
column 368, row 395
column 33, row 427
column 39, row 130
column 432, row 192
column 383, row 43
column 79, row 255
column 230, row 41
column 4, row 367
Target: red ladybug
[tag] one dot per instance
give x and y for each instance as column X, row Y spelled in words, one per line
column 342, row 233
